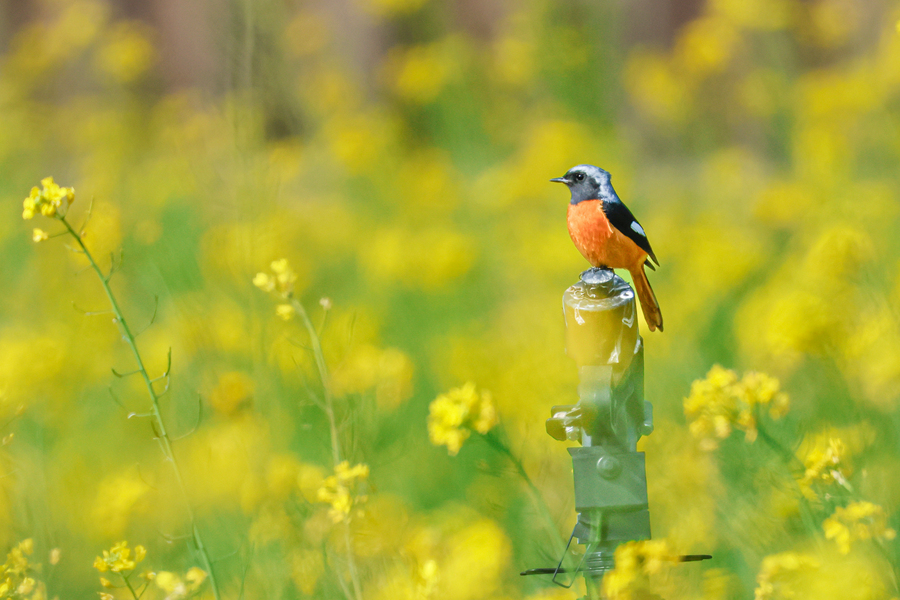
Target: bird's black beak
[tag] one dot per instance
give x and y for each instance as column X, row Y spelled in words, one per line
column 560, row 180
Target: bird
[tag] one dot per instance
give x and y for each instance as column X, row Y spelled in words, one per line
column 608, row 235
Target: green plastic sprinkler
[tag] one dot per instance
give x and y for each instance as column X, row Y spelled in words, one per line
column 610, row 417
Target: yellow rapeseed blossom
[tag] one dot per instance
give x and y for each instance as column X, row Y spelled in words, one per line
column 856, row 522
column 285, row 311
column 279, row 282
column 39, row 235
column 177, row 587
column 17, row 580
column 453, row 416
column 722, row 402
column 782, row 575
column 826, row 463
column 635, row 562
column 340, row 490
column 50, row 201
column 118, row 559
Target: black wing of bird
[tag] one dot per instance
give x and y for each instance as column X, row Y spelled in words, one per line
column 622, row 219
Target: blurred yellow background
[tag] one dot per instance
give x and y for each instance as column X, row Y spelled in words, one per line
column 396, row 153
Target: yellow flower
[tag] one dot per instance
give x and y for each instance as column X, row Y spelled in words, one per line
column 782, row 574
column 340, row 490
column 118, row 558
column 177, row 587
column 195, row 577
column 826, row 463
column 285, row 311
column 281, row 280
column 16, row 575
column 167, row 581
column 855, row 522
column 722, row 402
column 30, row 204
column 48, row 200
column 264, row 282
column 452, row 416
column 635, row 562
column 39, row 235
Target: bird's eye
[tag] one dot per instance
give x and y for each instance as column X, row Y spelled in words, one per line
column 579, row 176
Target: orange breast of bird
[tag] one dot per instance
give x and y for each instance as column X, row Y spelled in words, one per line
column 598, row 241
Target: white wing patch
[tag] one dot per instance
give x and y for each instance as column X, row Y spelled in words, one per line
column 637, row 228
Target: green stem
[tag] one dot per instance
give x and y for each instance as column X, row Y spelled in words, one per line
column 328, row 407
column 790, row 459
column 130, row 587
column 323, row 377
column 786, row 455
column 536, row 495
column 164, row 439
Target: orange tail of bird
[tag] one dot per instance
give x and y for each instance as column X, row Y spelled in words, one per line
column 645, row 294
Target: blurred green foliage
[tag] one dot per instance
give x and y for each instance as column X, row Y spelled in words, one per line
column 758, row 147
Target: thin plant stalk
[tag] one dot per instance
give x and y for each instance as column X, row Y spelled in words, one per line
column 324, row 377
column 131, row 589
column 789, row 459
column 328, row 407
column 536, row 496
column 163, row 435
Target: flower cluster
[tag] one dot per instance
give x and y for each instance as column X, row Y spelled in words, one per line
column 722, row 402
column 280, row 282
column 855, row 522
column 48, row 201
column 782, row 574
column 826, row 463
column 454, row 415
column 16, row 575
column 635, row 562
column 340, row 490
column 177, row 588
column 118, row 559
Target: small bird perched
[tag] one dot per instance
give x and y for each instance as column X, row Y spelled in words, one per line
column 608, row 235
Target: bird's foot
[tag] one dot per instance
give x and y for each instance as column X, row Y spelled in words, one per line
column 596, row 275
